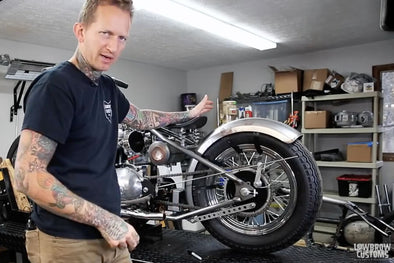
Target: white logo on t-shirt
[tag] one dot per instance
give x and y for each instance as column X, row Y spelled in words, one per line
column 108, row 110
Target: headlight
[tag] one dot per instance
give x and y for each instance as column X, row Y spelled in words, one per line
column 159, row 153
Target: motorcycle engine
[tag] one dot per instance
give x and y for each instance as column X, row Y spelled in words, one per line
column 359, row 232
column 132, row 184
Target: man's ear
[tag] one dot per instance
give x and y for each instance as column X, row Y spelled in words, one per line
column 79, row 32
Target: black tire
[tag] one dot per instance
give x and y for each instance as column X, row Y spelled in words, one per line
column 11, row 155
column 286, row 208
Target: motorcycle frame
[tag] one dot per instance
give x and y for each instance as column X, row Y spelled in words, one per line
column 361, row 213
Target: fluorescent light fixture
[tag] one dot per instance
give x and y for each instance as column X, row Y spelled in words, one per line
column 22, row 75
column 26, row 69
column 205, row 22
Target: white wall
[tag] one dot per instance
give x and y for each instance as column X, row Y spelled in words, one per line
column 249, row 76
column 8, row 129
column 149, row 86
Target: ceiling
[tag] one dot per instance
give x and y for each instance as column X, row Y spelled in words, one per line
column 297, row 25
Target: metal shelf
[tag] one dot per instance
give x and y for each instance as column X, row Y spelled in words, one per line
column 374, row 165
column 378, row 129
column 365, row 200
column 360, row 95
column 310, row 139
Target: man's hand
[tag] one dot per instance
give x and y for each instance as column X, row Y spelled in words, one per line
column 204, row 106
column 119, row 233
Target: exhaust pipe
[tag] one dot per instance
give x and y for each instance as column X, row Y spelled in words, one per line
column 142, row 215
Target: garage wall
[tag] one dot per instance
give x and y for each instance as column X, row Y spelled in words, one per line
column 149, row 86
column 249, row 76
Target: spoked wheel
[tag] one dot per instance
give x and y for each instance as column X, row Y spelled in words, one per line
column 287, row 199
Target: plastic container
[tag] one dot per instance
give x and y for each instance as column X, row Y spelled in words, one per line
column 274, row 110
column 355, row 185
column 229, row 111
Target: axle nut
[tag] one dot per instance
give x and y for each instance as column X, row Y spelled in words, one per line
column 244, row 192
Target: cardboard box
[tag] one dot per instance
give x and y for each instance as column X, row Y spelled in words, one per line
column 355, row 185
column 315, row 79
column 288, row 81
column 368, row 87
column 335, row 80
column 316, row 119
column 359, row 152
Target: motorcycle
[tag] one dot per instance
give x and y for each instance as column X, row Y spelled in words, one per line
column 251, row 182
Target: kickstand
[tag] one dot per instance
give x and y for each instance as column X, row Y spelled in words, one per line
column 309, row 237
column 339, row 228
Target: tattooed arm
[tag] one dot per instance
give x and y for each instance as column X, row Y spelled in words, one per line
column 32, row 178
column 150, row 119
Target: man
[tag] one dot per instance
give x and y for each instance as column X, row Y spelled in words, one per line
column 66, row 153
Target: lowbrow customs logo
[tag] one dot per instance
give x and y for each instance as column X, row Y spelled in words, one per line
column 108, row 110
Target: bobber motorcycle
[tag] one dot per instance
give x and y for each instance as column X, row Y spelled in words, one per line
column 251, row 182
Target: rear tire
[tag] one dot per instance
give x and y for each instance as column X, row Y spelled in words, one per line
column 287, row 203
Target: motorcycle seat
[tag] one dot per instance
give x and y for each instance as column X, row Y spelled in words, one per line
column 194, row 123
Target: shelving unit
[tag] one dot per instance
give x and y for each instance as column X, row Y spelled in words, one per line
column 312, row 137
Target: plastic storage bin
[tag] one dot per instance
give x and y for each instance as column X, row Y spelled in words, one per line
column 355, row 185
column 274, row 110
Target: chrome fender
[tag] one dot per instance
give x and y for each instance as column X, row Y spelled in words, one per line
column 270, row 127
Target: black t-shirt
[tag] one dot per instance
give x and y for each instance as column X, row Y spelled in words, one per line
column 82, row 117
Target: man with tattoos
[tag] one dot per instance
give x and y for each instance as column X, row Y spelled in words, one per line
column 66, row 154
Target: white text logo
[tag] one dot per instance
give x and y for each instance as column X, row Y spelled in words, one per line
column 372, row 250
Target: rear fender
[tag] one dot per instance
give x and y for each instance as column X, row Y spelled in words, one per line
column 269, row 127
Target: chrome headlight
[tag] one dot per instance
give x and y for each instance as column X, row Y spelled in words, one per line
column 159, row 153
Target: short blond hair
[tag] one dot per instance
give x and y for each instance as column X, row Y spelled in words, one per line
column 86, row 15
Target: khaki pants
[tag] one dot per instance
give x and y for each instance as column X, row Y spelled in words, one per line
column 43, row 248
